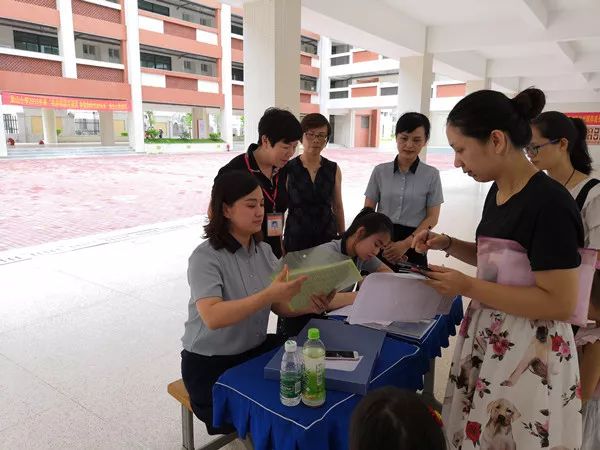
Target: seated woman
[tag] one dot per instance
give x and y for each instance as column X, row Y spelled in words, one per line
column 368, row 234
column 231, row 292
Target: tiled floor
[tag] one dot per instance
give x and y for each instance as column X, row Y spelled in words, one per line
column 89, row 339
column 51, row 199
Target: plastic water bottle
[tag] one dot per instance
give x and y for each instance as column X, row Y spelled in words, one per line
column 290, row 384
column 313, row 386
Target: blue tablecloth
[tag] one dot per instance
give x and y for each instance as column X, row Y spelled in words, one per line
column 243, row 397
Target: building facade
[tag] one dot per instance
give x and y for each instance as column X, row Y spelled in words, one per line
column 106, row 71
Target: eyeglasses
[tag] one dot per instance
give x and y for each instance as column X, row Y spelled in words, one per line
column 533, row 150
column 312, row 136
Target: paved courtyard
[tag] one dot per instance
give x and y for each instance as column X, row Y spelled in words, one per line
column 46, row 200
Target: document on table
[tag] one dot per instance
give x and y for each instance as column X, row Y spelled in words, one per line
column 322, row 280
column 413, row 330
column 397, row 297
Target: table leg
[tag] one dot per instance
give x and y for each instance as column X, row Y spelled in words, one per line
column 428, row 387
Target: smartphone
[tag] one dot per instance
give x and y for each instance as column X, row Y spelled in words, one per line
column 341, row 354
column 413, row 268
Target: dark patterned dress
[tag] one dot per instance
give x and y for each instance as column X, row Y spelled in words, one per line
column 310, row 220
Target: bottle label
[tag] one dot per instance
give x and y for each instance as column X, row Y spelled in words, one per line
column 314, row 379
column 290, row 385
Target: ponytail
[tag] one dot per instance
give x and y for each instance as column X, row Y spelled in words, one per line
column 554, row 125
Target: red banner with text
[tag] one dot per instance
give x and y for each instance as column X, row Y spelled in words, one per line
column 44, row 101
column 592, row 120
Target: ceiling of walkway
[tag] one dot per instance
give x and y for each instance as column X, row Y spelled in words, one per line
column 552, row 44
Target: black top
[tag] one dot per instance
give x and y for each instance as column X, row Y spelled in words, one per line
column 542, row 217
column 310, row 220
column 268, row 186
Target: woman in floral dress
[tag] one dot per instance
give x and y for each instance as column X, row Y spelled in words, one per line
column 514, row 377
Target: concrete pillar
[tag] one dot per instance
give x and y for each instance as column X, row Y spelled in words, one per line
column 66, row 39
column 107, row 128
column 351, row 141
column 477, row 85
column 135, row 126
column 271, row 60
column 414, row 86
column 49, row 125
column 324, row 82
column 226, row 88
column 197, row 115
column 3, row 145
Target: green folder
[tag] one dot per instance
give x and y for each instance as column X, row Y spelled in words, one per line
column 322, row 279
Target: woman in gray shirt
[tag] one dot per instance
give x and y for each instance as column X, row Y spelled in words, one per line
column 231, row 292
column 407, row 190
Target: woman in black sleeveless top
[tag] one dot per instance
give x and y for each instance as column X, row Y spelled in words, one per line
column 315, row 210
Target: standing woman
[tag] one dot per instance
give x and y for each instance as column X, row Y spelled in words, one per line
column 315, row 208
column 278, row 135
column 558, row 146
column 514, row 377
column 407, row 190
column 231, row 292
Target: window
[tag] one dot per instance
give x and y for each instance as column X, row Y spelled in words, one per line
column 155, row 61
column 237, row 72
column 208, row 67
column 339, row 83
column 114, row 55
column 392, row 90
column 308, row 83
column 89, row 51
column 207, row 17
column 10, row 124
column 35, row 42
column 308, row 45
column 364, row 121
column 87, row 127
column 338, row 94
column 153, row 7
column 188, row 66
column 187, row 17
column 340, row 48
column 340, row 60
column 237, row 25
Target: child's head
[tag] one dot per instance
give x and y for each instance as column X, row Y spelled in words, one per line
column 369, row 232
column 393, row 419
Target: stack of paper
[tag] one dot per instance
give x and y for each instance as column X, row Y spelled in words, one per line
column 395, row 297
column 410, row 330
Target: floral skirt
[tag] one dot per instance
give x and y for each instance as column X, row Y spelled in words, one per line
column 514, row 384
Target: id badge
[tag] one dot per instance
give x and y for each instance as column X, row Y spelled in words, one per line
column 274, row 224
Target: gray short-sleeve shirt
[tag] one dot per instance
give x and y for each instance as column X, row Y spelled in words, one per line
column 405, row 196
column 229, row 273
column 371, row 265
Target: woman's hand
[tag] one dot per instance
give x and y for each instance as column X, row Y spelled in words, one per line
column 320, row 303
column 448, row 282
column 394, row 251
column 281, row 290
column 426, row 240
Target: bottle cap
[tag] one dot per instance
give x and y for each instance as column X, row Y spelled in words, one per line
column 290, row 346
column 313, row 333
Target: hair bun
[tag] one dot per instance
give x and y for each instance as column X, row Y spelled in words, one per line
column 529, row 103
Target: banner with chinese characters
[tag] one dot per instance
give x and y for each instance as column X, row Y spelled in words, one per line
column 45, row 101
column 592, row 120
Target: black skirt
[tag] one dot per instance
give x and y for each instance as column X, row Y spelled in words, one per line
column 200, row 373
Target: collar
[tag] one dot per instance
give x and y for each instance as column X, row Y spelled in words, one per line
column 412, row 168
column 344, row 249
column 253, row 164
column 232, row 244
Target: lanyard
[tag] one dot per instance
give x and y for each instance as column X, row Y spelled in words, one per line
column 274, row 197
